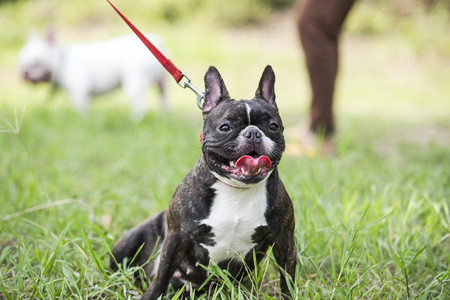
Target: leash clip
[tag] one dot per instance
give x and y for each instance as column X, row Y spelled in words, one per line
column 188, row 84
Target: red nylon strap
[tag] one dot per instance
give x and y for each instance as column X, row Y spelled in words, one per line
column 166, row 63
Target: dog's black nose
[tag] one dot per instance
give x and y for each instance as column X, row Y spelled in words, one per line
column 253, row 134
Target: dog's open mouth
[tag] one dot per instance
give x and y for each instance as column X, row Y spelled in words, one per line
column 249, row 166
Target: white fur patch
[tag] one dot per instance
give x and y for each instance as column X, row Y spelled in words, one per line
column 235, row 213
column 248, row 113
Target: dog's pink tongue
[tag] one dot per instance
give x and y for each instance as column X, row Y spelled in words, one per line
column 252, row 165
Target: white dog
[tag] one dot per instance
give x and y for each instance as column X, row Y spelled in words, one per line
column 88, row 69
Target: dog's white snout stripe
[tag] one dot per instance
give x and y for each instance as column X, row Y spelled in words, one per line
column 248, row 113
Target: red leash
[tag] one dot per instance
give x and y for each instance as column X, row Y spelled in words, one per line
column 164, row 61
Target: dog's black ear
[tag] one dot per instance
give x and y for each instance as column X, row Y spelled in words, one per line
column 215, row 90
column 266, row 87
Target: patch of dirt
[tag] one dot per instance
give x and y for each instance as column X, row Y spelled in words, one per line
column 427, row 135
column 422, row 137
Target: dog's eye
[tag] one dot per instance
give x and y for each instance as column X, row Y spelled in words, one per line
column 225, row 128
column 274, row 127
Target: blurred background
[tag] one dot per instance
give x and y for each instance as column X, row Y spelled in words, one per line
column 393, row 53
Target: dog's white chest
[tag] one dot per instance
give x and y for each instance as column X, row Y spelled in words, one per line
column 235, row 213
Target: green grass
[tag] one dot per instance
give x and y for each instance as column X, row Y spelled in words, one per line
column 373, row 222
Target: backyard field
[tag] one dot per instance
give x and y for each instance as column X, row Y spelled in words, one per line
column 372, row 221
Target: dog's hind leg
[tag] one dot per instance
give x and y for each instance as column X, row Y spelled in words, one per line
column 135, row 90
column 80, row 101
column 161, row 83
column 140, row 243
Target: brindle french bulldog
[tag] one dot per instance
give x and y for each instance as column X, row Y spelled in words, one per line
column 231, row 204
